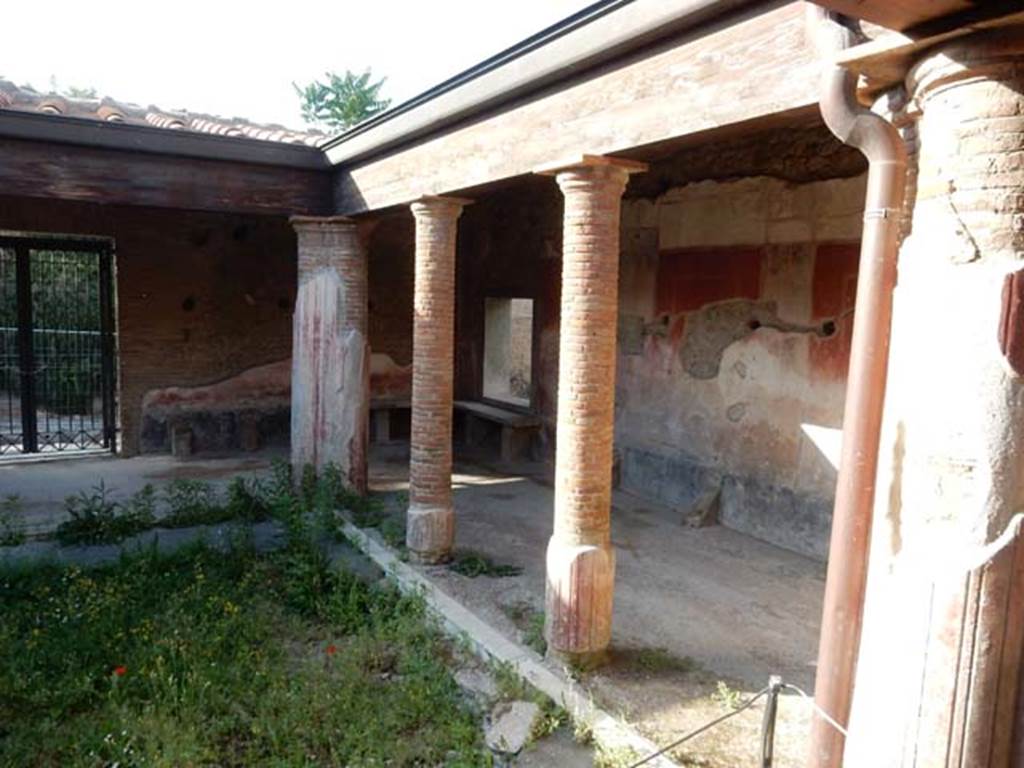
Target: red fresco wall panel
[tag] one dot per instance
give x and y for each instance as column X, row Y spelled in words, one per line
column 689, row 278
column 834, row 294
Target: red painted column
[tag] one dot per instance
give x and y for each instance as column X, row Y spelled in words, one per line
column 330, row 350
column 580, row 558
column 430, row 529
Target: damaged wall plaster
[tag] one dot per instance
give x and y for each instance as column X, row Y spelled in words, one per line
column 741, row 293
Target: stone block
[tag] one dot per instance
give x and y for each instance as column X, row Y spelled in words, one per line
column 631, row 335
column 511, row 726
column 181, row 442
column 779, row 515
column 249, row 432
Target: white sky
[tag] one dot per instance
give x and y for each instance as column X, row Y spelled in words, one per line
column 233, row 58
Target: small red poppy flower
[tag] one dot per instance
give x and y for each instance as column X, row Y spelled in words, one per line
column 332, row 649
column 120, row 671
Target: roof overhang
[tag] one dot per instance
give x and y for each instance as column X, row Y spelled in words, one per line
column 598, row 34
column 885, row 61
column 901, row 15
column 136, row 138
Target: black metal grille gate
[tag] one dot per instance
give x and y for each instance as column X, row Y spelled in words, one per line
column 57, row 345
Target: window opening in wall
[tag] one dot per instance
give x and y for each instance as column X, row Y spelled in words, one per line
column 508, row 348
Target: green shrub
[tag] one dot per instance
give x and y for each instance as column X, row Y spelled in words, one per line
column 192, row 502
column 474, row 564
column 12, row 521
column 95, row 518
column 142, row 505
column 246, row 501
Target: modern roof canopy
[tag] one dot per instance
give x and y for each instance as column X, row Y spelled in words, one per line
column 595, row 35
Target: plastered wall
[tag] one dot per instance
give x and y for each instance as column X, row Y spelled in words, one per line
column 736, row 303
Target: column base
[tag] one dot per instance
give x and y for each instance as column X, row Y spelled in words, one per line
column 580, row 590
column 430, row 533
column 579, row 662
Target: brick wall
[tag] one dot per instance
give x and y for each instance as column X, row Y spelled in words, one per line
column 510, row 246
column 201, row 296
column 392, row 271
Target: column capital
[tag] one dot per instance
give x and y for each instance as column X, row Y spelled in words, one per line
column 585, row 161
column 439, row 206
column 988, row 55
column 322, row 223
column 329, row 241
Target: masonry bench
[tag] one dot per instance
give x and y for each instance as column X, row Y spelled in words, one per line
column 517, row 428
column 380, row 414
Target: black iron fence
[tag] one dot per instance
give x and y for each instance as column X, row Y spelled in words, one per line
column 57, row 345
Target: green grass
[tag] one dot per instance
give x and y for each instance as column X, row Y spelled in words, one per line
column 473, row 564
column 12, row 521
column 659, row 661
column 385, row 513
column 530, row 622
column 727, row 696
column 204, row 659
column 228, row 659
column 95, row 517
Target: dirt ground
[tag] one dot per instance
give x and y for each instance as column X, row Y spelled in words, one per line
column 702, row 616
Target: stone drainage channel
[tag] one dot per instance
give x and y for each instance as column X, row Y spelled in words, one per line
column 611, row 735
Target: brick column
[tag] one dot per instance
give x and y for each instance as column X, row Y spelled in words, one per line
column 939, row 664
column 580, row 559
column 330, row 351
column 431, row 518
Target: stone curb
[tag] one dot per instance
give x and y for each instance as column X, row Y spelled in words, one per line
column 491, row 645
column 266, row 536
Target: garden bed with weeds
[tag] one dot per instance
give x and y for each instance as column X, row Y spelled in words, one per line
column 237, row 658
column 97, row 515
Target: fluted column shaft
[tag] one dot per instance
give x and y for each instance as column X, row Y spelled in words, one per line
column 431, row 520
column 330, row 350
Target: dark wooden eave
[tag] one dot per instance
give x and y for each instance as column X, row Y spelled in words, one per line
column 44, row 169
column 55, row 157
column 885, row 61
column 900, row 15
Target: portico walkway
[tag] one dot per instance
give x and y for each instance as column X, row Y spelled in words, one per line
column 693, row 607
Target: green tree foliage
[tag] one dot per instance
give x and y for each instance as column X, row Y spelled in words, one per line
column 342, row 100
column 72, row 91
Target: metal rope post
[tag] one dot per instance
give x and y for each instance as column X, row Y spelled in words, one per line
column 771, row 709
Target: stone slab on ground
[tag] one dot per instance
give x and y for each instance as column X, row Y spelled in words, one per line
column 559, row 749
column 478, row 683
column 511, row 726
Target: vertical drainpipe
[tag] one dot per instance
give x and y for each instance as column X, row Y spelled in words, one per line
column 883, row 147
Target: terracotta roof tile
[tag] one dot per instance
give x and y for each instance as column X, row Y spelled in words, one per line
column 25, row 99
